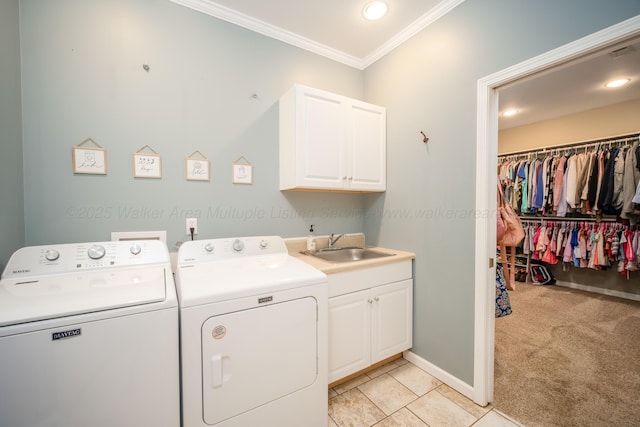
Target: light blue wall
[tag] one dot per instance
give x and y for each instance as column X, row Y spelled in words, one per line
column 11, row 187
column 429, row 84
column 83, row 77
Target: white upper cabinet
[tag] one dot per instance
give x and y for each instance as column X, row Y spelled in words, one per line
column 329, row 142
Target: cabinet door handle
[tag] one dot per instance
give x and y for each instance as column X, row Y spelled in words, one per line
column 377, row 299
column 344, row 178
column 370, row 301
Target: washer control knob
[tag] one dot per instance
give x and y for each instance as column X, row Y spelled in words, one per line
column 264, row 243
column 96, row 252
column 51, row 255
column 135, row 249
column 208, row 247
column 238, row 245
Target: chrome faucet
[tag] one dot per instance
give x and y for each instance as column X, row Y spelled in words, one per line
column 333, row 241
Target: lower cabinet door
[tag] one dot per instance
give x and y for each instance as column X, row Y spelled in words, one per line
column 392, row 323
column 349, row 334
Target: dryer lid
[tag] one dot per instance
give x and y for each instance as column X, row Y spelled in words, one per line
column 34, row 298
column 228, row 279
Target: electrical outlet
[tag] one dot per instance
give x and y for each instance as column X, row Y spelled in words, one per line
column 192, row 223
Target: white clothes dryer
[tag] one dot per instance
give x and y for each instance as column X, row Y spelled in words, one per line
column 89, row 336
column 253, row 325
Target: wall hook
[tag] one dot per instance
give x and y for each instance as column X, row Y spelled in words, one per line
column 424, row 139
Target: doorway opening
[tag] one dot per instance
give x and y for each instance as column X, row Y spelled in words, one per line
column 486, row 185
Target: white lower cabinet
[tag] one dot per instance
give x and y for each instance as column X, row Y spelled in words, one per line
column 369, row 325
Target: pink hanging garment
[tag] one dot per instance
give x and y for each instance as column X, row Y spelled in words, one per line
column 583, row 243
column 622, row 265
column 602, row 258
column 536, row 237
column 549, row 257
column 567, row 256
column 543, row 241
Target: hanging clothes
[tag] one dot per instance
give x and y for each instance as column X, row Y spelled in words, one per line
column 586, row 180
column 607, row 188
column 558, row 183
column 631, row 179
column 580, row 244
column 571, row 181
column 601, row 181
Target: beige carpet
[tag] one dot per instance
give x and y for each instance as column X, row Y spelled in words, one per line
column 568, row 358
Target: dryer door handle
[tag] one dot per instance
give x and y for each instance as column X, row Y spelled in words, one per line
column 216, row 370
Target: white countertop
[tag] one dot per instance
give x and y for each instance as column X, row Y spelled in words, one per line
column 298, row 245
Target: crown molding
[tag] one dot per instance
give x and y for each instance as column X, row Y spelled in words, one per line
column 414, row 28
column 211, row 8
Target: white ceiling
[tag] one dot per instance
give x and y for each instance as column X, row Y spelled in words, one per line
column 574, row 87
column 336, row 29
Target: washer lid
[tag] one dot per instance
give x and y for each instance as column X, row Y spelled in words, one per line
column 29, row 299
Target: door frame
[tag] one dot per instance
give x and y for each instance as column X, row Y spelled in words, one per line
column 486, row 187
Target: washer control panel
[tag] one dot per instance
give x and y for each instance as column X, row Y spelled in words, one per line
column 195, row 251
column 64, row 258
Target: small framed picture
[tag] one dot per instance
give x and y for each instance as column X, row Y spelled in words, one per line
column 197, row 169
column 89, row 160
column 147, row 165
column 242, row 173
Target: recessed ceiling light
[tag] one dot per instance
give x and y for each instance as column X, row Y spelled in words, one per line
column 374, row 10
column 510, row 112
column 617, row 82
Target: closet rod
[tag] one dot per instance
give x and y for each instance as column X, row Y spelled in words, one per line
column 583, row 144
column 565, row 219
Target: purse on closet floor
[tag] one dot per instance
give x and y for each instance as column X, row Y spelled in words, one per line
column 511, row 237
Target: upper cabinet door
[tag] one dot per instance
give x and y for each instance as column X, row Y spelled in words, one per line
column 367, row 159
column 330, row 142
column 320, row 138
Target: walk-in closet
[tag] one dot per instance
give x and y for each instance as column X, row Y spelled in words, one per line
column 576, row 203
column 567, row 354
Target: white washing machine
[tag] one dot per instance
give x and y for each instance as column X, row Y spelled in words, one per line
column 253, row 325
column 89, row 337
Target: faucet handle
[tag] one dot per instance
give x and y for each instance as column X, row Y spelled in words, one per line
column 332, row 241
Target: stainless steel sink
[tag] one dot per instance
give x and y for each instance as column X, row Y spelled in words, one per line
column 347, row 254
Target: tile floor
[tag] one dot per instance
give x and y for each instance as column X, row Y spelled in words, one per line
column 401, row 394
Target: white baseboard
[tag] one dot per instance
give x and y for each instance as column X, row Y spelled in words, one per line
column 609, row 292
column 453, row 382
